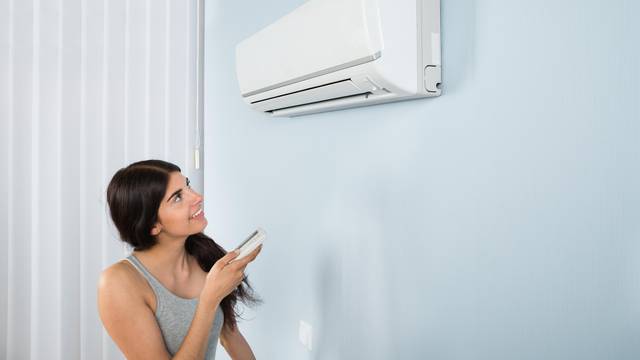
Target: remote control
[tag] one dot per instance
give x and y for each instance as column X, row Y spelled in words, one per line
column 251, row 243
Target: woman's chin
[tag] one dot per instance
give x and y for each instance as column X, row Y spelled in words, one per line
column 204, row 223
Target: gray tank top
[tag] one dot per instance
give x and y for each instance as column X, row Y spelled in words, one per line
column 174, row 314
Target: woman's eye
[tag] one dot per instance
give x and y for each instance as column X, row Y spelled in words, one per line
column 177, row 198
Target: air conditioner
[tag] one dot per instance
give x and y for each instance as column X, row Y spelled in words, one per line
column 335, row 54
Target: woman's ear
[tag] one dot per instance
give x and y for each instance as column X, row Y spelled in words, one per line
column 156, row 229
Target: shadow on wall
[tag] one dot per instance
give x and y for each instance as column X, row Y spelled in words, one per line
column 352, row 274
column 459, row 34
column 329, row 341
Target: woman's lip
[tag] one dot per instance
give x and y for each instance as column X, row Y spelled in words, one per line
column 199, row 216
column 200, row 209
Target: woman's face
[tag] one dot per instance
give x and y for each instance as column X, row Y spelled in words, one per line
column 181, row 212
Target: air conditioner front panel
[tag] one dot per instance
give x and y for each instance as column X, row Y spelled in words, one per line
column 326, row 36
column 337, row 54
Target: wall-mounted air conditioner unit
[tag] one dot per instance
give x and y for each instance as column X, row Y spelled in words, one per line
column 335, row 54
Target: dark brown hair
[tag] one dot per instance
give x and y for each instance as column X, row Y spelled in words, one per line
column 134, row 196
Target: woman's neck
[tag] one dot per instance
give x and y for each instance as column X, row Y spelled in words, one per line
column 167, row 258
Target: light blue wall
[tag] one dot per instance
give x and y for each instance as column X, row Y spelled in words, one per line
column 498, row 221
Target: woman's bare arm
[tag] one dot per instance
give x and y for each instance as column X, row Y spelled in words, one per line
column 235, row 344
column 126, row 317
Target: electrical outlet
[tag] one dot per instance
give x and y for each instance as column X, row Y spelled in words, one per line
column 305, row 333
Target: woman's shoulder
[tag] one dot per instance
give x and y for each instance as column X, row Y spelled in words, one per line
column 121, row 273
column 122, row 277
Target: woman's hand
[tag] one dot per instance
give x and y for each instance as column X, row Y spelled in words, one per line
column 224, row 277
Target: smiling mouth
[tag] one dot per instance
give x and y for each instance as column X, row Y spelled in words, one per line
column 197, row 213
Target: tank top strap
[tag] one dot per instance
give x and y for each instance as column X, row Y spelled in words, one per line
column 157, row 287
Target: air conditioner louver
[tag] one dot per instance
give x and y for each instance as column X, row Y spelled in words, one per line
column 335, row 90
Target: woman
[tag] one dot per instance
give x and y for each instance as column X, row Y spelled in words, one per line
column 175, row 295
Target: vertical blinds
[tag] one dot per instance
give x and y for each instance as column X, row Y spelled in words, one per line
column 86, row 87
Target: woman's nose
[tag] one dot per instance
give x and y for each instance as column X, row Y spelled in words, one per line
column 197, row 197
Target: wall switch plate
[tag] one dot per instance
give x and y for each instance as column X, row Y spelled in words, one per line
column 305, row 333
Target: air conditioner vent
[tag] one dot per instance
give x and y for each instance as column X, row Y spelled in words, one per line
column 334, row 90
